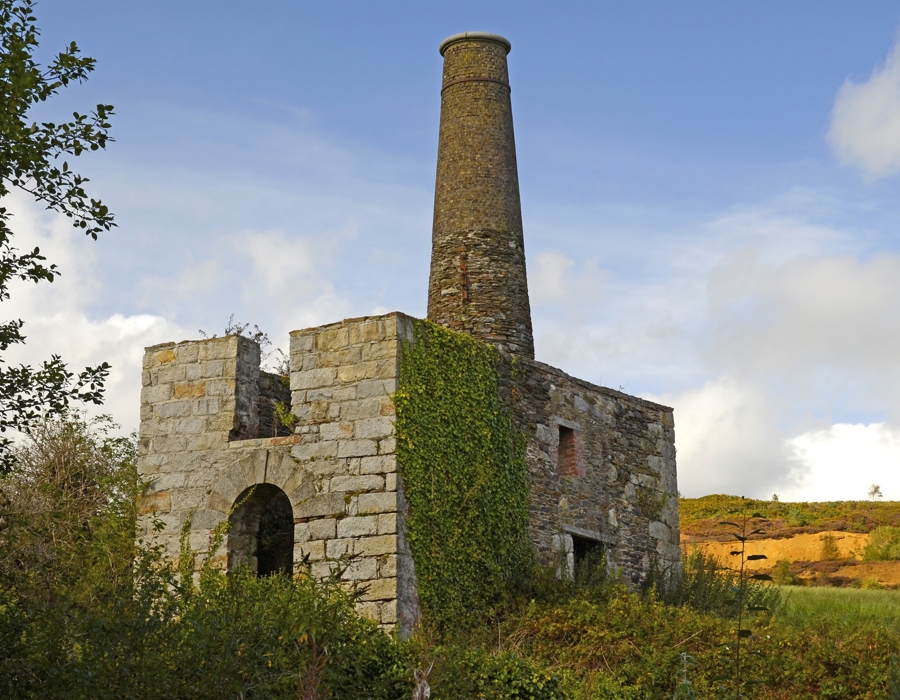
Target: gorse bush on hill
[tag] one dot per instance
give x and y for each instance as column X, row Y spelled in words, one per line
column 883, row 544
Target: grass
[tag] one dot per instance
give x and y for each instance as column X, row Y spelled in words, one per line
column 844, row 606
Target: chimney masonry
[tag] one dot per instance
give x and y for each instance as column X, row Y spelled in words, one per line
column 478, row 283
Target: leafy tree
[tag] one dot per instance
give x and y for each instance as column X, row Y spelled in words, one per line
column 67, row 511
column 33, row 158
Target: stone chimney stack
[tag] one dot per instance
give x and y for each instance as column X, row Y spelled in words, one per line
column 478, row 283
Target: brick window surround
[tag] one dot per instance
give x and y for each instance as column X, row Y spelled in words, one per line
column 569, row 452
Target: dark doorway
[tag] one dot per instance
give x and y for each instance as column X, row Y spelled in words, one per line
column 590, row 560
column 275, row 539
column 262, row 531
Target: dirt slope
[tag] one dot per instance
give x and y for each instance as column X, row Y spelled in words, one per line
column 805, row 547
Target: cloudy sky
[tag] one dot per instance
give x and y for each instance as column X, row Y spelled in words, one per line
column 710, row 195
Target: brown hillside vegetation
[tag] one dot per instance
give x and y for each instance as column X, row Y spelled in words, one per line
column 700, row 517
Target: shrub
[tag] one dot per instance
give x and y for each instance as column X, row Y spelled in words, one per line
column 233, row 636
column 87, row 612
column 704, row 584
column 830, row 551
column 782, row 574
column 473, row 672
column 883, row 544
column 67, row 513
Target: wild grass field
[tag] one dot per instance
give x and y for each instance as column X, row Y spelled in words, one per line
column 851, row 607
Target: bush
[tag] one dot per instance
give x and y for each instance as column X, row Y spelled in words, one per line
column 67, row 511
column 702, row 583
column 782, row 574
column 883, row 545
column 233, row 636
column 473, row 672
column 88, row 612
column 830, row 550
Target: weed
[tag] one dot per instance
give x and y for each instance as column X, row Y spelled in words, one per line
column 782, row 574
column 704, row 584
column 685, row 690
column 283, row 415
column 894, row 679
column 735, row 677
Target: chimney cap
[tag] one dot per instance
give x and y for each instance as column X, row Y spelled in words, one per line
column 475, row 36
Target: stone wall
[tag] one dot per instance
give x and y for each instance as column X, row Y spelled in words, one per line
column 342, row 382
column 616, row 484
column 200, row 402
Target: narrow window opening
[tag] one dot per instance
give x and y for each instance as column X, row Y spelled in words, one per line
column 567, row 455
column 274, row 405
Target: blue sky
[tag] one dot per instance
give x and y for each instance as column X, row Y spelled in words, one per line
column 709, row 195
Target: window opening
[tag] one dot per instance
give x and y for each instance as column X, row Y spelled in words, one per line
column 567, row 452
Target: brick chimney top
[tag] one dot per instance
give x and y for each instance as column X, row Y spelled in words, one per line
column 475, row 36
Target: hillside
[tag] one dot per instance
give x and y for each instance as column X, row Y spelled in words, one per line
column 700, row 517
column 823, row 542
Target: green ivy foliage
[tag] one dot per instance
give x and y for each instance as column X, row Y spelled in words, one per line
column 462, row 460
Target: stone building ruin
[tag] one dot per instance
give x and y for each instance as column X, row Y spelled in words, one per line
column 601, row 463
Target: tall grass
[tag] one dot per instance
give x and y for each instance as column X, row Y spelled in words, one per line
column 852, row 607
column 705, row 584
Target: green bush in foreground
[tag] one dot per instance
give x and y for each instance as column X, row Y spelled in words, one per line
column 235, row 636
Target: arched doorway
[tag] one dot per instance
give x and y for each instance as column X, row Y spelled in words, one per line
column 262, row 531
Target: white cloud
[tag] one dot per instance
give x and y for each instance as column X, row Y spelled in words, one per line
column 288, row 282
column 823, row 330
column 57, row 320
column 841, row 463
column 727, row 438
column 759, row 325
column 549, row 277
column 865, row 121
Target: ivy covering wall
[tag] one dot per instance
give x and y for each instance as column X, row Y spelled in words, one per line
column 462, row 461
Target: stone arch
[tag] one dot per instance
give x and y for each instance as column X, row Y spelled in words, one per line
column 261, row 533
